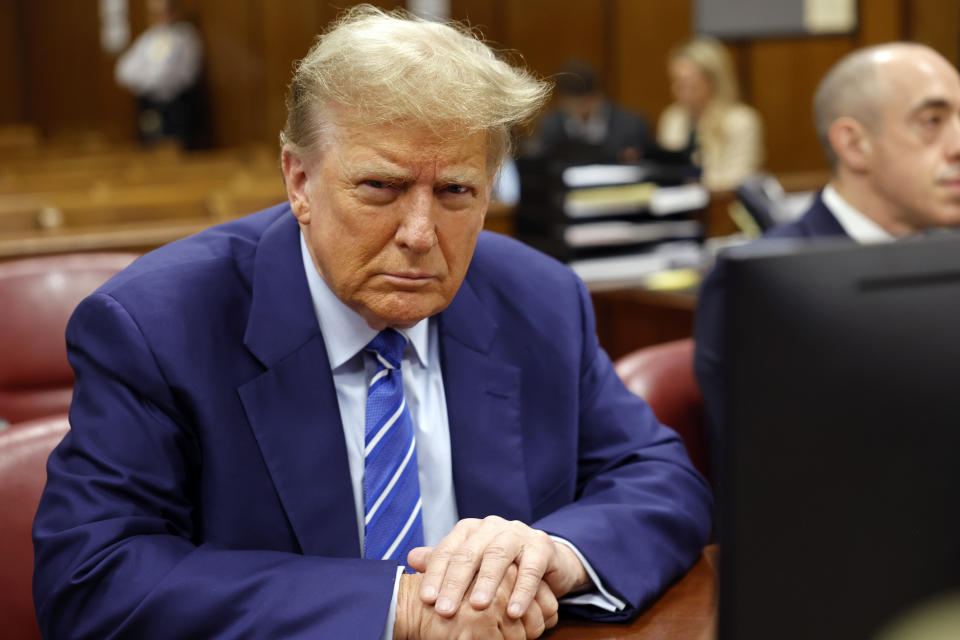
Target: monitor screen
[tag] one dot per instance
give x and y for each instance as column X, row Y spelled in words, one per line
column 841, row 461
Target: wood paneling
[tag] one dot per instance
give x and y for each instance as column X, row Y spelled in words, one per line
column 487, row 16
column 784, row 76
column 289, row 31
column 881, row 21
column 235, row 68
column 68, row 79
column 641, row 61
column 936, row 23
column 11, row 107
column 549, row 32
column 55, row 75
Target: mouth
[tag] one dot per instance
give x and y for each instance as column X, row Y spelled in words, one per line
column 409, row 279
column 952, row 185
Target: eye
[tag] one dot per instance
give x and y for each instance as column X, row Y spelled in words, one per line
column 377, row 192
column 456, row 189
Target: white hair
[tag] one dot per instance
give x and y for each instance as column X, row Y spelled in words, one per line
column 395, row 67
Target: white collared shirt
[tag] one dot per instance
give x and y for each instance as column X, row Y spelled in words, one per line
column 345, row 334
column 859, row 227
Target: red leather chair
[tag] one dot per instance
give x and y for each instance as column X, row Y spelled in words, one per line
column 662, row 375
column 23, row 472
column 37, row 296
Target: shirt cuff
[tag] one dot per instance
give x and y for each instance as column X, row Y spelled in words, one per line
column 599, row 597
column 392, row 613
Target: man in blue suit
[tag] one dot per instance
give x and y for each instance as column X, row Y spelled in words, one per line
column 272, row 418
column 888, row 118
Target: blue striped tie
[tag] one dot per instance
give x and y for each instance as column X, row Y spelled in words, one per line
column 391, row 489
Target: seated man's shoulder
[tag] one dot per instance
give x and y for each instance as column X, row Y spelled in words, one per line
column 514, row 281
column 211, row 254
column 508, row 263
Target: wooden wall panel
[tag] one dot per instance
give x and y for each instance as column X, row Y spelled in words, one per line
column 67, row 78
column 12, row 108
column 56, row 76
column 881, row 21
column 488, row 16
column 936, row 23
column 235, row 69
column 549, row 32
column 290, row 28
column 641, row 60
column 784, row 76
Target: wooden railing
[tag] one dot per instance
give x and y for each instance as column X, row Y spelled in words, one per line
column 117, row 197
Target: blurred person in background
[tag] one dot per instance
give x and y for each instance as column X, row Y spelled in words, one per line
column 163, row 69
column 888, row 119
column 587, row 127
column 723, row 136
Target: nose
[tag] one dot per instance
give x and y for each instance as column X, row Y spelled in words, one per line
column 952, row 147
column 417, row 230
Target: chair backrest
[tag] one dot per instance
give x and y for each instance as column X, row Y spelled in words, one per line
column 24, row 449
column 762, row 196
column 37, row 296
column 662, row 375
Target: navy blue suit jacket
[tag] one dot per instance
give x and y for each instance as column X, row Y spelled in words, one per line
column 709, row 361
column 203, row 490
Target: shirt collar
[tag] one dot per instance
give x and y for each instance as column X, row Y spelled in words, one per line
column 345, row 332
column 858, row 226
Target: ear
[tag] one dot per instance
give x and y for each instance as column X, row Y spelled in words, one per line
column 295, row 179
column 852, row 143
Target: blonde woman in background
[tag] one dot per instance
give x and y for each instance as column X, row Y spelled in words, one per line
column 723, row 135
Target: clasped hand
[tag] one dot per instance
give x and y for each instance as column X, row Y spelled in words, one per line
column 513, row 573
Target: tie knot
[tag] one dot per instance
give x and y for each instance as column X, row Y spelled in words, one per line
column 389, row 345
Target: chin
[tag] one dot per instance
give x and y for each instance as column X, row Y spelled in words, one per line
column 405, row 313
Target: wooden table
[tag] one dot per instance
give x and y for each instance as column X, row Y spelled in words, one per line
column 687, row 611
column 631, row 318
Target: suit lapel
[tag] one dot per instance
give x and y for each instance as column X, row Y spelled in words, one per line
column 483, row 405
column 292, row 407
column 819, row 221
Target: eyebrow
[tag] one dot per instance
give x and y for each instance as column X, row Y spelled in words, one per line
column 391, row 173
column 930, row 103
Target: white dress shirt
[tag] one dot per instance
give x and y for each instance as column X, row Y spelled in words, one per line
column 345, row 334
column 859, row 227
column 162, row 62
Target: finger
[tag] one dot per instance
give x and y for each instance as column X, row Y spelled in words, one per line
column 438, row 563
column 464, row 562
column 509, row 628
column 546, row 601
column 418, row 557
column 535, row 559
column 533, row 620
column 499, row 554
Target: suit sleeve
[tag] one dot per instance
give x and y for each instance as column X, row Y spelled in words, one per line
column 115, row 532
column 642, row 513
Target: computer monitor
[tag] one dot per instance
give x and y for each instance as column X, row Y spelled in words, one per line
column 840, row 497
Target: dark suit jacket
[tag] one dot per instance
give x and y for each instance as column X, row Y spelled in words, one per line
column 709, row 360
column 624, row 129
column 203, row 490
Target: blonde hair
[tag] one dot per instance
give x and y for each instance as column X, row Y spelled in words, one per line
column 396, row 67
column 715, row 63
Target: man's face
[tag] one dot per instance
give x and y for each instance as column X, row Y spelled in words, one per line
column 914, row 156
column 689, row 85
column 391, row 215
